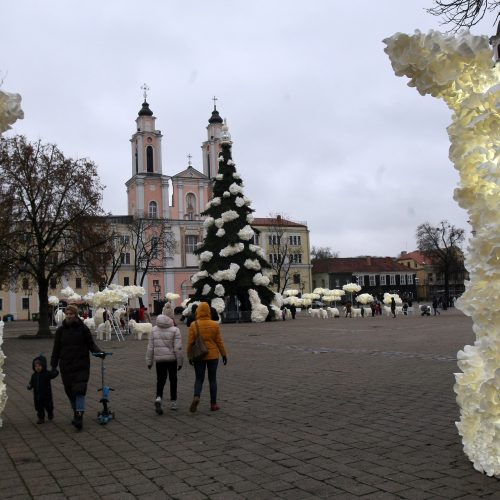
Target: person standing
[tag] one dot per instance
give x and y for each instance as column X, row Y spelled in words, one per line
column 165, row 350
column 393, row 307
column 72, row 344
column 435, row 304
column 211, row 335
column 293, row 310
column 42, row 389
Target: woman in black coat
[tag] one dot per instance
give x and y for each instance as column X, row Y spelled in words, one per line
column 72, row 344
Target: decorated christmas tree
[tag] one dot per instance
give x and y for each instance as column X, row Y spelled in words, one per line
column 234, row 274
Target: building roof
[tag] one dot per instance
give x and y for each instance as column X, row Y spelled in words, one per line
column 145, row 111
column 215, row 118
column 272, row 221
column 419, row 257
column 191, row 173
column 357, row 265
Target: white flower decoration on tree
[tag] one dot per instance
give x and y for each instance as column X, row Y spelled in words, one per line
column 198, row 276
column 253, row 264
column 246, row 233
column 220, row 232
column 248, row 201
column 236, row 175
column 364, row 298
column 218, row 305
column 206, row 256
column 209, row 221
column 235, row 189
column 259, row 279
column 10, row 110
column 232, row 250
column 230, row 162
column 240, row 201
column 250, row 218
column 219, row 290
column 220, row 158
column 259, row 311
column 134, row 291
column 215, row 202
column 290, row 292
column 219, row 177
column 388, row 298
column 227, row 274
column 206, row 289
column 219, row 222
column 258, row 250
column 351, row 288
column 229, row 215
column 226, row 194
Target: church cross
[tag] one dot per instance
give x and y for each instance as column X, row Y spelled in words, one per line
column 145, row 89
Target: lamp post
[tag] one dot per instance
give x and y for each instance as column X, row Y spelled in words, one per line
column 156, row 295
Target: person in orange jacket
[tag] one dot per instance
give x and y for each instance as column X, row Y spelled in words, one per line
column 210, row 332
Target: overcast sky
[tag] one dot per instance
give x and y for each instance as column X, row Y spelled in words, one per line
column 322, row 129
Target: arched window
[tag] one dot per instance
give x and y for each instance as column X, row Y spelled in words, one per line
column 153, row 210
column 149, row 159
column 190, row 205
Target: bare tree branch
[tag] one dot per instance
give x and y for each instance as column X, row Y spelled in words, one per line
column 463, row 13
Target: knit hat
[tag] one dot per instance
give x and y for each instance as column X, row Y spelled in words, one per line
column 72, row 308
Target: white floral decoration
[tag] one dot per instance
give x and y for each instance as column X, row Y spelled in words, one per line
column 209, row 221
column 227, row 274
column 388, row 298
column 277, row 300
column 230, row 162
column 219, row 222
column 236, row 175
column 248, row 201
column 206, row 256
column 259, row 311
column 351, row 288
column 134, row 291
column 198, row 276
column 215, row 202
column 220, row 158
column 246, row 233
column 219, row 177
column 364, row 298
column 240, row 201
column 53, row 300
column 232, row 249
column 259, row 279
column 218, row 304
column 172, row 296
column 110, row 298
column 250, row 218
column 252, row 264
column 67, row 292
column 235, row 188
column 226, row 194
column 219, row 290
column 220, row 233
column 290, row 292
column 257, row 249
column 10, row 110
column 229, row 215
column 206, row 289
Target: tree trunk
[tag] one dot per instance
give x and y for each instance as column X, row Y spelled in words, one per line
column 43, row 300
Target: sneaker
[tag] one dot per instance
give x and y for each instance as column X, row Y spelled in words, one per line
column 158, row 407
column 173, row 405
column 78, row 419
column 194, row 404
column 214, row 407
column 50, row 416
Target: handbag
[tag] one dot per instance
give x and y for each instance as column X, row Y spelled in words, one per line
column 199, row 349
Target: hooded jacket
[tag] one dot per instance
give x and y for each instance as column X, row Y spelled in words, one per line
column 210, row 332
column 165, row 343
column 40, row 381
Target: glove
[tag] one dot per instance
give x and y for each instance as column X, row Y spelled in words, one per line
column 179, row 368
column 224, row 360
column 29, row 387
column 149, row 367
column 191, row 362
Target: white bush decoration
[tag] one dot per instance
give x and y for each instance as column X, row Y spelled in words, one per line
column 239, row 201
column 388, row 296
column 53, row 301
column 229, row 215
column 259, row 310
column 459, row 70
column 215, row 202
column 197, row 276
column 206, row 256
column 248, row 201
column 218, row 305
column 258, row 250
column 226, row 194
column 290, row 292
column 219, row 222
column 338, row 292
column 172, row 296
column 134, row 291
column 235, row 188
column 253, row 264
column 227, row 274
column 236, row 175
column 67, row 292
column 3, row 386
column 219, row 290
column 10, row 111
column 220, row 158
column 277, row 300
column 351, row 288
column 246, row 233
column 232, row 250
column 206, row 289
column 250, row 218
column 220, row 232
column 209, row 221
column 258, row 279
column 276, row 311
column 110, row 298
column 364, row 298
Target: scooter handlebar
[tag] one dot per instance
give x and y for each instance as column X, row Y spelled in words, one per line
column 101, row 354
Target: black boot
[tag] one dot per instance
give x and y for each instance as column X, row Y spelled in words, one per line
column 78, row 419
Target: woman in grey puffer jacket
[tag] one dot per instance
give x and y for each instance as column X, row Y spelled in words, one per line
column 165, row 350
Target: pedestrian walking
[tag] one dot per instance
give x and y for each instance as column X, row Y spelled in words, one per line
column 293, row 310
column 72, row 344
column 435, row 304
column 40, row 384
column 165, row 351
column 393, row 307
column 210, row 333
column 348, row 309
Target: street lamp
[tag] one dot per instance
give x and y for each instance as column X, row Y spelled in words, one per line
column 157, row 291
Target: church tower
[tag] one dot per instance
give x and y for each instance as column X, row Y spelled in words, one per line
column 148, row 188
column 211, row 147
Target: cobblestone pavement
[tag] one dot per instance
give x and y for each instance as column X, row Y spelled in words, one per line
column 310, row 408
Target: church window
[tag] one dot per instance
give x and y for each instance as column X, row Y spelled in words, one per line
column 190, row 205
column 149, row 159
column 153, row 210
column 190, row 242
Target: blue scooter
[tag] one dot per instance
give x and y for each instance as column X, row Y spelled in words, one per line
column 105, row 415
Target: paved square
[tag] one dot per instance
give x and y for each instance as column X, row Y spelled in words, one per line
column 310, row 408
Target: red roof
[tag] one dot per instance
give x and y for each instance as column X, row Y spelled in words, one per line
column 418, row 256
column 271, row 221
column 358, row 265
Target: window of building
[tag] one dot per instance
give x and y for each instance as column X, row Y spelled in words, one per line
column 322, row 283
column 78, row 282
column 125, row 239
column 382, row 279
column 296, row 279
column 25, row 303
column 126, row 281
column 337, row 283
column 294, row 240
column 392, row 279
column 274, row 239
column 190, row 242
column 295, row 258
column 153, row 210
column 149, row 159
column 361, row 280
column 255, row 239
column 53, row 283
column 429, row 277
column 154, row 247
column 372, row 280
column 125, row 258
column 1, row 304
column 190, row 205
column 26, row 284
column 409, row 279
column 402, row 279
column 156, row 283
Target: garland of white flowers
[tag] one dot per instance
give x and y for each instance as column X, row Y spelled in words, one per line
column 459, row 70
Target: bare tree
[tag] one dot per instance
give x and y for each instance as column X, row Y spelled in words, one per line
column 442, row 245
column 464, row 13
column 283, row 253
column 50, row 208
column 323, row 253
column 151, row 241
